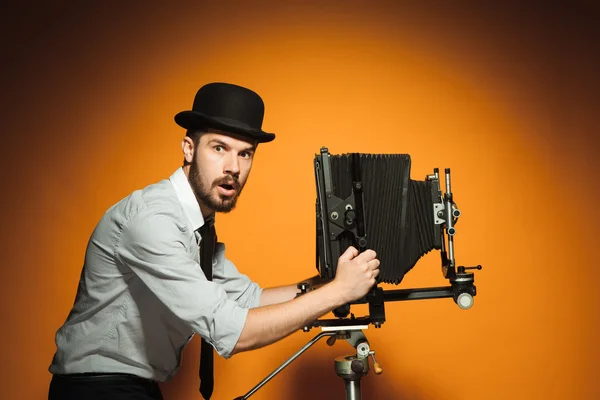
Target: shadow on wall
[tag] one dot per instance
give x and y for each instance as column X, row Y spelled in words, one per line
column 187, row 374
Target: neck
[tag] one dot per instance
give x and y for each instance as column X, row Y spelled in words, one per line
column 204, row 210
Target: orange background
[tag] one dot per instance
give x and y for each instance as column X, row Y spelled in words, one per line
column 507, row 97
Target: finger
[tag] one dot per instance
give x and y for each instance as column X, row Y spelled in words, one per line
column 373, row 264
column 374, row 278
column 367, row 255
column 350, row 253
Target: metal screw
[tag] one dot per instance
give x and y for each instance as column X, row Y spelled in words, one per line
column 363, row 349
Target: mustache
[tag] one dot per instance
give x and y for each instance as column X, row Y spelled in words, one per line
column 227, row 180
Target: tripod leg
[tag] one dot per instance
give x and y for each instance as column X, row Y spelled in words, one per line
column 353, row 391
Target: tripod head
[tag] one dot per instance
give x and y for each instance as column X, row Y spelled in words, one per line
column 350, row 368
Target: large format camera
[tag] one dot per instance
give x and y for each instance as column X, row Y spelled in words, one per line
column 370, row 201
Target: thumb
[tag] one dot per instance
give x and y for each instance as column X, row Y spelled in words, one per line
column 349, row 254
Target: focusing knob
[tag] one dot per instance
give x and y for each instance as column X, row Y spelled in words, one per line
column 464, row 301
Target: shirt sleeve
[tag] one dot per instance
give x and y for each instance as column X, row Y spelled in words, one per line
column 154, row 247
column 238, row 286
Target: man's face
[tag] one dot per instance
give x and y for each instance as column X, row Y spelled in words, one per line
column 219, row 170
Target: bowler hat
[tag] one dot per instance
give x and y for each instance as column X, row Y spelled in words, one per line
column 229, row 108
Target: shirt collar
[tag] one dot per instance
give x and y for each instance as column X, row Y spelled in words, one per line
column 186, row 196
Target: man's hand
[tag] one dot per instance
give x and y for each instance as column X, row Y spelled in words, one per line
column 267, row 324
column 356, row 273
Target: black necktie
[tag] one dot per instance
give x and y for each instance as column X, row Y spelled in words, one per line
column 207, row 248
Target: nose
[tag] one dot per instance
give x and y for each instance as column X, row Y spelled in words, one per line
column 232, row 164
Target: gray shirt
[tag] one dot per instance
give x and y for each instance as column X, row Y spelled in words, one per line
column 142, row 293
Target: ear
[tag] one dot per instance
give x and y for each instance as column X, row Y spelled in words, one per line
column 187, row 146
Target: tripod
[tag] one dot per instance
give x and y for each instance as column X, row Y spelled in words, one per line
column 350, row 368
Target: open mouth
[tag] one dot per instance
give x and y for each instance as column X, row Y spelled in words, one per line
column 227, row 189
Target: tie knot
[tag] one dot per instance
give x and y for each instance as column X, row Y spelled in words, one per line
column 205, row 229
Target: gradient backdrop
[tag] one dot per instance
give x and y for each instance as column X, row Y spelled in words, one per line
column 506, row 96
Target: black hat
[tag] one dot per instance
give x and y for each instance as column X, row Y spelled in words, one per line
column 229, row 108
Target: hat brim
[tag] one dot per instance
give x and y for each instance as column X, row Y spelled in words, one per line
column 196, row 120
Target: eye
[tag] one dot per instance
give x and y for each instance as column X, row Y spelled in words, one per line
column 218, row 148
column 246, row 154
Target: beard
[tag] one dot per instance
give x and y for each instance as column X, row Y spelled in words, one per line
column 207, row 196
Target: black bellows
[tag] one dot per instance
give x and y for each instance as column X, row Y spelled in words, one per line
column 398, row 211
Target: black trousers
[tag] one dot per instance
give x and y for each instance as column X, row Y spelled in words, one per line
column 103, row 387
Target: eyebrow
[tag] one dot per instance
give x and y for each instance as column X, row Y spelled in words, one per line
column 222, row 143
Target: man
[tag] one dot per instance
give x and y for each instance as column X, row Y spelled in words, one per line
column 147, row 284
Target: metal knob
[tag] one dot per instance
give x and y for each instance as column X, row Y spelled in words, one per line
column 303, row 286
column 464, row 301
column 357, row 366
